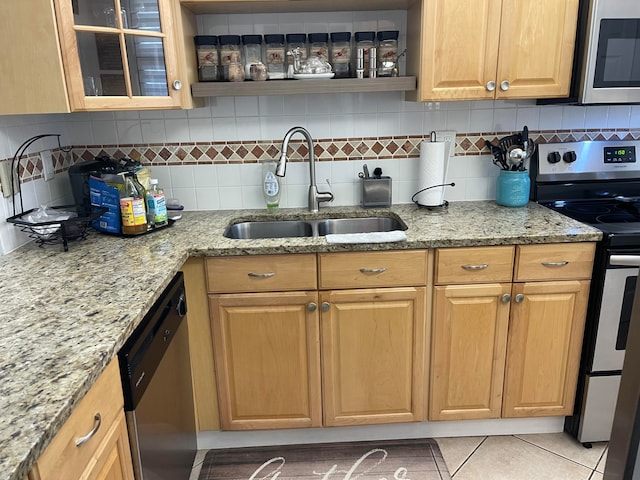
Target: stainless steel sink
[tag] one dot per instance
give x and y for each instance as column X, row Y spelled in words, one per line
column 257, row 229
column 269, row 229
column 359, row 225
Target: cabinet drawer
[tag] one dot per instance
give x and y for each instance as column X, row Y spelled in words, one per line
column 261, row 273
column 474, row 265
column 372, row 269
column 558, row 261
column 62, row 458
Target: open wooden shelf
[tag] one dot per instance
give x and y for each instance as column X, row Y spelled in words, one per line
column 298, row 87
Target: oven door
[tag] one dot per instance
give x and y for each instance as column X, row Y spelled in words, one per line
column 611, row 68
column 615, row 312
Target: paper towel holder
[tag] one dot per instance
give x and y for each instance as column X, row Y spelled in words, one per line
column 444, row 204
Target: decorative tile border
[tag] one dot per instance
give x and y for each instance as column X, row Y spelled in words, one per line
column 337, row 149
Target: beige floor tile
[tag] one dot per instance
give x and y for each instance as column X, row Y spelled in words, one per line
column 603, row 460
column 567, row 446
column 509, row 458
column 596, row 476
column 456, row 450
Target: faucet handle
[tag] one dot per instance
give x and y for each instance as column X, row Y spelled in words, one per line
column 329, row 195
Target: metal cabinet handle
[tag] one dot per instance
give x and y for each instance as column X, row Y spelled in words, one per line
column 504, row 85
column 491, row 86
column 373, row 270
column 519, row 298
column 555, row 264
column 475, row 267
column 506, row 298
column 312, row 307
column 97, row 421
column 261, row 275
column 625, row 260
column 325, row 306
column 177, row 85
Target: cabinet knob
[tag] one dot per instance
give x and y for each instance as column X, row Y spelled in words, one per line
column 519, row 298
column 506, row 298
column 312, row 307
column 491, row 86
column 177, row 85
column 325, row 306
column 504, row 86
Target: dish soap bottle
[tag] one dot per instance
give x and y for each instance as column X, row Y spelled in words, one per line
column 156, row 205
column 270, row 184
column 132, row 208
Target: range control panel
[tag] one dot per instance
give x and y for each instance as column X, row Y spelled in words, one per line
column 589, row 160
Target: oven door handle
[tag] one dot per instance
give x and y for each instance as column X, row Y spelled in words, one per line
column 625, row 260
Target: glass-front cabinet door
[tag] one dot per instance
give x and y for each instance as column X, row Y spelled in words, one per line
column 119, row 54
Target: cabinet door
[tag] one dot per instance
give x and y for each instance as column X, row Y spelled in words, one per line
column 459, row 45
column 373, row 343
column 120, row 54
column 543, row 353
column 267, row 359
column 469, row 341
column 113, row 461
column 537, row 39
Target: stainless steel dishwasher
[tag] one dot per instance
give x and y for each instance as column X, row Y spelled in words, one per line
column 158, row 394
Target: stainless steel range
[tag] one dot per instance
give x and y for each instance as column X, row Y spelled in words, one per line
column 598, row 183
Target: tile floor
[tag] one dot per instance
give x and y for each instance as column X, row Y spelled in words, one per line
column 551, row 456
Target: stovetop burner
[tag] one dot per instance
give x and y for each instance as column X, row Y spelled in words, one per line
column 602, row 214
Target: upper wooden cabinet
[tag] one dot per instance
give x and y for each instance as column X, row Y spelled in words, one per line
column 90, row 55
column 491, row 49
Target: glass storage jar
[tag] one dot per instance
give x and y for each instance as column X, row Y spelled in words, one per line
column 387, row 53
column 295, row 41
column 341, row 54
column 319, row 45
column 252, row 52
column 365, row 41
column 208, row 58
column 275, row 55
column 229, row 53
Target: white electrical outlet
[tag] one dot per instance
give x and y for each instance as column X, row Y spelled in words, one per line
column 47, row 165
column 447, row 136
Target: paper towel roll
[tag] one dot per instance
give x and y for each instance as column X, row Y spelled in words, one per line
column 432, row 171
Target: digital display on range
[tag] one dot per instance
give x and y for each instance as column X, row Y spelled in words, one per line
column 619, row 154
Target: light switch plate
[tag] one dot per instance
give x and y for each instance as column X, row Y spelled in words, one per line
column 47, row 165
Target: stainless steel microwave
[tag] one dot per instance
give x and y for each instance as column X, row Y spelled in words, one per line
column 610, row 63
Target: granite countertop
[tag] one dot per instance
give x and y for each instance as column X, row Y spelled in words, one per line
column 65, row 315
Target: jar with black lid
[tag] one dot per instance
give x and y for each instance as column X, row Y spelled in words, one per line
column 341, row 54
column 319, row 45
column 208, row 58
column 230, row 55
column 365, row 41
column 295, row 41
column 387, row 53
column 252, row 52
column 275, row 55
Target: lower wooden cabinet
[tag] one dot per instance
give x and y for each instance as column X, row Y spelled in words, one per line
column 469, row 340
column 267, row 357
column 103, row 455
column 373, row 344
column 543, row 353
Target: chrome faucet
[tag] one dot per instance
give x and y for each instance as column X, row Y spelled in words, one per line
column 315, row 197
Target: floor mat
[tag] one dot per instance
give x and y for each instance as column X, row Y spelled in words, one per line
column 412, row 459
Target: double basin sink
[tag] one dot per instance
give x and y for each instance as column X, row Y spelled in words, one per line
column 260, row 229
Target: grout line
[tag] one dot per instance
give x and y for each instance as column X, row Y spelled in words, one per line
column 469, row 456
column 559, row 455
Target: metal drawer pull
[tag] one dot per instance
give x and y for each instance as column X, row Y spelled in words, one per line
column 261, row 275
column 555, row 264
column 475, row 267
column 373, row 270
column 96, row 426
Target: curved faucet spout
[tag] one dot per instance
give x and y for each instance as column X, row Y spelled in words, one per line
column 315, row 197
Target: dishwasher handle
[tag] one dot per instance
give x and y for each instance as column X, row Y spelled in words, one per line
column 625, row 260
